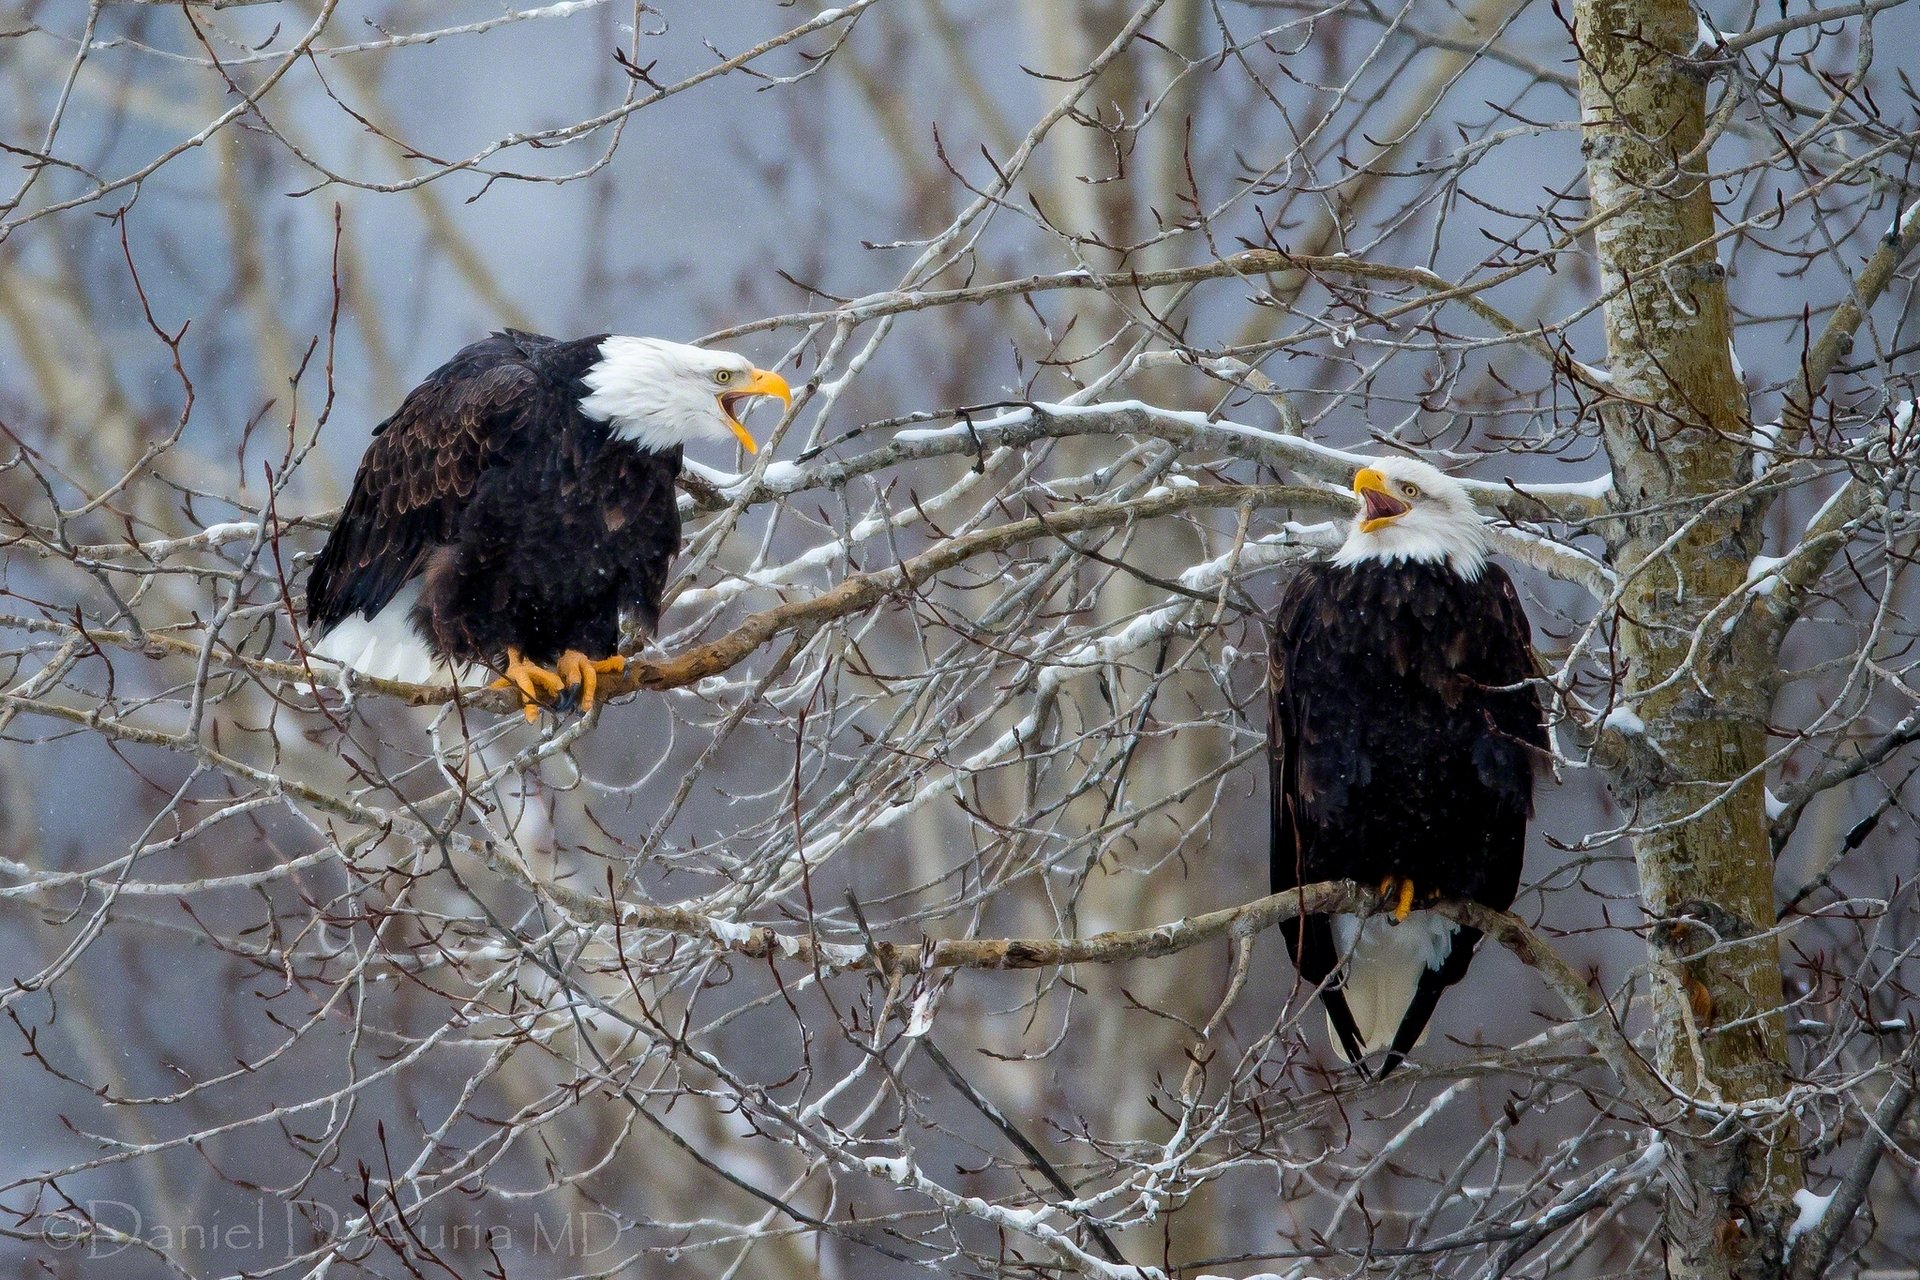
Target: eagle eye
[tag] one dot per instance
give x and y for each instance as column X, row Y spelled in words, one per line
column 1411, row 490
column 723, row 376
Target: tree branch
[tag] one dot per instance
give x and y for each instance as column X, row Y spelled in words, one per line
column 1836, row 340
column 1794, row 799
column 1812, row 1251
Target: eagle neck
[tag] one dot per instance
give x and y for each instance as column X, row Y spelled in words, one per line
column 609, row 436
column 1464, row 552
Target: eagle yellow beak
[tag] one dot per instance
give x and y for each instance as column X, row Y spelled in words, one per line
column 760, row 382
column 1382, row 508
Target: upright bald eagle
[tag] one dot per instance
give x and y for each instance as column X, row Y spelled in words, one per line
column 518, row 502
column 1402, row 740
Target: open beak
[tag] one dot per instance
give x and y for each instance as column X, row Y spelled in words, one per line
column 1381, row 507
column 759, row 383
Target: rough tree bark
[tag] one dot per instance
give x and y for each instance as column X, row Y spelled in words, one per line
column 1678, row 440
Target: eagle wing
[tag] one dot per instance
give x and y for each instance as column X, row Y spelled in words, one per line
column 419, row 474
column 1507, row 653
column 1517, row 719
column 1282, row 728
column 1309, row 939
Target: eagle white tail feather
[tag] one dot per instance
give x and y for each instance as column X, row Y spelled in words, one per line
column 1384, row 962
column 388, row 647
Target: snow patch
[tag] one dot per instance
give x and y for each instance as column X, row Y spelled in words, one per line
column 1765, row 442
column 920, row 1019
column 1763, row 574
column 564, row 9
column 1623, row 720
column 1812, row 1209
column 1137, row 634
column 1019, row 1219
column 898, row 1170
column 1775, row 805
column 828, row 955
column 731, row 933
column 1598, row 487
column 712, row 475
column 218, row 535
column 1705, row 37
column 1819, row 517
column 1167, row 487
column 782, row 477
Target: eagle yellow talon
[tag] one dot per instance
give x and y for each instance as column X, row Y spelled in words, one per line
column 1399, row 892
column 579, row 671
column 535, row 683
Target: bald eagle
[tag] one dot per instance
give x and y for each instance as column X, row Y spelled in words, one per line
column 518, row 502
column 1403, row 736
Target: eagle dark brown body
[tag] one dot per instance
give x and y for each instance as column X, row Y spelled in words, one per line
column 521, row 522
column 1403, row 741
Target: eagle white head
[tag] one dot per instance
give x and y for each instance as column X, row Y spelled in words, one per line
column 662, row 395
column 1411, row 511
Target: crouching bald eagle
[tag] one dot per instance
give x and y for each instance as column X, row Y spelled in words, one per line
column 518, row 502
column 1402, row 743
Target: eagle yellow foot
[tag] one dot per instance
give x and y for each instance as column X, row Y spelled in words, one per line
column 583, row 674
column 1400, row 893
column 535, row 683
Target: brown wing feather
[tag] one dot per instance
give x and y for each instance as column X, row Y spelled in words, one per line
column 1309, row 939
column 1508, row 658
column 1290, row 792
column 419, row 474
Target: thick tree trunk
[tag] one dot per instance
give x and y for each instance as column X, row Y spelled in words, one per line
column 1677, row 438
